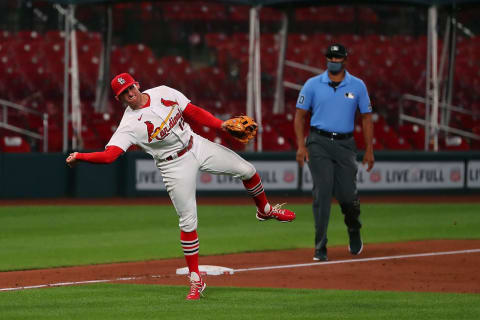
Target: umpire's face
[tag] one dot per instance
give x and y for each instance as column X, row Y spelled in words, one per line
column 335, row 64
column 336, row 59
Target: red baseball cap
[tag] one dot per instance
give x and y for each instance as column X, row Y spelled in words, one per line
column 122, row 82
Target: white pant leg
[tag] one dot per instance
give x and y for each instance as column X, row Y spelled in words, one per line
column 217, row 159
column 180, row 176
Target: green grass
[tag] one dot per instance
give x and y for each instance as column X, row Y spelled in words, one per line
column 49, row 236
column 115, row 301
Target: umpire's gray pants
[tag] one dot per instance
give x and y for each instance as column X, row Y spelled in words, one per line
column 334, row 172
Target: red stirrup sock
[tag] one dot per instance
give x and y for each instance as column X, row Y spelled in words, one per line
column 190, row 246
column 254, row 188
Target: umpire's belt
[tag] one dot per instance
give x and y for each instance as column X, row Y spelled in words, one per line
column 332, row 135
column 179, row 153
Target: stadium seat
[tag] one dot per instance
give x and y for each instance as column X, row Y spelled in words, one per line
column 214, row 39
column 358, row 136
column 14, row 143
column 396, row 143
column 238, row 13
column 55, row 137
column 28, row 35
column 414, row 134
column 105, row 130
column 367, row 15
column 227, row 140
column 90, row 139
column 454, row 143
column 475, row 144
column 273, row 140
column 54, row 36
column 5, row 35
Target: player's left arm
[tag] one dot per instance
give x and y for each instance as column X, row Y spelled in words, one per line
column 367, row 126
column 202, row 117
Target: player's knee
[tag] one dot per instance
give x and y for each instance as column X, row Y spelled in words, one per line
column 247, row 171
column 188, row 224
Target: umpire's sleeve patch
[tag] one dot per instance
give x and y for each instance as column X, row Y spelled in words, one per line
column 301, row 98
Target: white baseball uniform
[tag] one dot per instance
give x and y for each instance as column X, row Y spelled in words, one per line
column 179, row 173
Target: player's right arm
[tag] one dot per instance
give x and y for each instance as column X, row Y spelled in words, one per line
column 299, row 126
column 110, row 154
column 119, row 143
column 302, row 108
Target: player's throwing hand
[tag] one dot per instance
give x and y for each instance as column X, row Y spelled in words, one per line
column 71, row 159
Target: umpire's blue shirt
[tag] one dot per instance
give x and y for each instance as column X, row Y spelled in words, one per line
column 334, row 110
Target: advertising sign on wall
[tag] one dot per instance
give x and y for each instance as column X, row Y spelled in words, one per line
column 473, row 174
column 404, row 176
column 276, row 175
column 147, row 175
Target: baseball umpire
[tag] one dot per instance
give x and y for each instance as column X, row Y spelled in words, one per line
column 332, row 99
column 157, row 121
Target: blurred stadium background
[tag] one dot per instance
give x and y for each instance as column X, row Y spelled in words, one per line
column 201, row 48
column 204, row 49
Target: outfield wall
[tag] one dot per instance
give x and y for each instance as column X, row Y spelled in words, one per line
column 36, row 175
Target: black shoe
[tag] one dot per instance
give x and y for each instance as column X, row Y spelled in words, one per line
column 356, row 245
column 320, row 255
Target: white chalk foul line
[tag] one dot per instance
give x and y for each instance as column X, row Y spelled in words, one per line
column 63, row 284
column 317, row 264
column 58, row 284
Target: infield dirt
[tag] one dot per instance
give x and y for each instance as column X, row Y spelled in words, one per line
column 439, row 273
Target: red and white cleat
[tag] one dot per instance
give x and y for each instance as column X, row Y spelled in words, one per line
column 282, row 215
column 196, row 287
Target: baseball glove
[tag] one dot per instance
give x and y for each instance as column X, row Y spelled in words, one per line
column 242, row 128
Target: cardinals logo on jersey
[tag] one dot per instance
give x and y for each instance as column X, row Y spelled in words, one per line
column 164, row 129
column 169, row 103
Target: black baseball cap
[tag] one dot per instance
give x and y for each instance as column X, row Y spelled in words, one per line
column 336, row 50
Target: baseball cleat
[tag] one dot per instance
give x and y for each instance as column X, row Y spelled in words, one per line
column 197, row 286
column 282, row 215
column 355, row 245
column 321, row 255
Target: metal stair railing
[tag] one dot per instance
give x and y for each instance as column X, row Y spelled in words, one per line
column 404, row 117
column 44, row 116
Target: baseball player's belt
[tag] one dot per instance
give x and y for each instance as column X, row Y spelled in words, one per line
column 181, row 152
column 332, row 135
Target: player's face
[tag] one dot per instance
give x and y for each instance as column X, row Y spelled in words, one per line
column 131, row 96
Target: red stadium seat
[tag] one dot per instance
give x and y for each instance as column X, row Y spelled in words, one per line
column 28, row 35
column 14, row 143
column 397, row 143
column 475, row 144
column 455, row 143
column 238, row 13
column 358, row 136
column 215, row 39
column 367, row 15
column 273, row 140
column 54, row 36
column 5, row 35
column 414, row 134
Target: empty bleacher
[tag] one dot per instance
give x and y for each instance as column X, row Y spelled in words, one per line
column 31, row 64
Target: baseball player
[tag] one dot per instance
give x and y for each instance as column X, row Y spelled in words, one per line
column 157, row 121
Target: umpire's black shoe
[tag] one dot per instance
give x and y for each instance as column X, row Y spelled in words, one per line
column 320, row 255
column 356, row 245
